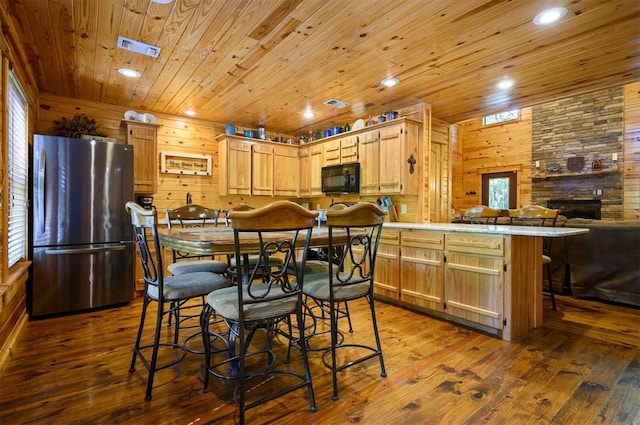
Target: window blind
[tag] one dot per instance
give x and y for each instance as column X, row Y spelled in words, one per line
column 17, row 173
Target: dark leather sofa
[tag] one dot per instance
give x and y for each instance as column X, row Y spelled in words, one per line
column 603, row 264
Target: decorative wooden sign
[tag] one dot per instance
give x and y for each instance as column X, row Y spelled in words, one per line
column 184, row 163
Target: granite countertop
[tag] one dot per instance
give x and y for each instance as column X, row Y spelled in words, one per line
column 553, row 232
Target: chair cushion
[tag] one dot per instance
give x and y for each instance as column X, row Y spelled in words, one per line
column 191, row 266
column 317, row 286
column 225, row 303
column 189, row 285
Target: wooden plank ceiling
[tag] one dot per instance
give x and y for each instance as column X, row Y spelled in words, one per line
column 252, row 62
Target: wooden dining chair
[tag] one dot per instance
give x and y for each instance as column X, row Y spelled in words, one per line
column 168, row 291
column 536, row 215
column 266, row 295
column 481, row 214
column 348, row 280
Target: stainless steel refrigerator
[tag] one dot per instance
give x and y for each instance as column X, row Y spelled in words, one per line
column 82, row 249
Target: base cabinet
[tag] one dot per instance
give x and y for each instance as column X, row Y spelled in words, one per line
column 491, row 282
column 474, row 276
column 422, row 269
column 387, row 272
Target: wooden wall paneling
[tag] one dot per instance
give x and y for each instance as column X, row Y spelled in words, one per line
column 630, row 163
column 496, row 148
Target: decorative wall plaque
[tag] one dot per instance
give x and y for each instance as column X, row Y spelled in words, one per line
column 183, row 163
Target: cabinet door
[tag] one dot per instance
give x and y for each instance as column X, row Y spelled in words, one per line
column 316, row 164
column 348, row 149
column 474, row 276
column 143, row 137
column 369, row 162
column 387, row 274
column 391, row 151
column 286, row 167
column 331, row 151
column 305, row 170
column 399, row 147
column 238, row 168
column 262, row 169
column 422, row 268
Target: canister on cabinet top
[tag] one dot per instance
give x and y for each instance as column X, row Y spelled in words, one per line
column 262, row 134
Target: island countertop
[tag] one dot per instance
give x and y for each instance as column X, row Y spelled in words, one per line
column 495, row 229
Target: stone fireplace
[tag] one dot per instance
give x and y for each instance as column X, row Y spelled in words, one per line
column 574, row 142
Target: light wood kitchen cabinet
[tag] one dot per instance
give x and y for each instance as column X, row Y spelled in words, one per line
column 475, row 275
column 304, row 183
column 234, row 167
column 348, row 149
column 311, row 163
column 387, row 273
column 422, row 268
column 369, row 162
column 331, row 152
column 286, row 168
column 262, row 169
column 399, row 158
column 144, row 139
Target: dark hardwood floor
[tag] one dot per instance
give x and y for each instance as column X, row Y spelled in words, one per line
column 74, row 370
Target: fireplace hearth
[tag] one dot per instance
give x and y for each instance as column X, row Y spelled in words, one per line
column 577, row 208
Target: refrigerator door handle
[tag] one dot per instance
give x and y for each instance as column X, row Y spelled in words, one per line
column 85, row 250
column 40, row 190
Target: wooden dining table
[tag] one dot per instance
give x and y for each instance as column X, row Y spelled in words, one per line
column 219, row 240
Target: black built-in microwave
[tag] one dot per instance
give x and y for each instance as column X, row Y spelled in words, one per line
column 343, row 178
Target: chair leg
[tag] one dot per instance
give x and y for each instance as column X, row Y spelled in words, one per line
column 136, row 347
column 370, row 299
column 205, row 316
column 154, row 354
column 551, row 292
column 334, row 342
column 305, row 358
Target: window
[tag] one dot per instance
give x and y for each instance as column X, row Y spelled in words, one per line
column 501, row 117
column 17, row 172
column 499, row 190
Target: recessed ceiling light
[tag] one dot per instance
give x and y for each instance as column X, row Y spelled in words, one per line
column 549, row 16
column 190, row 112
column 129, row 72
column 505, row 84
column 308, row 114
column 161, row 1
column 389, row 81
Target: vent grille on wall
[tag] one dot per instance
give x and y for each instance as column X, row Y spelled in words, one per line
column 138, row 47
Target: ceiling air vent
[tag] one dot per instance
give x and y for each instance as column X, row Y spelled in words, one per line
column 336, row 103
column 138, row 47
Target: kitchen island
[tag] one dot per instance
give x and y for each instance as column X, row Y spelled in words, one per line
column 488, row 277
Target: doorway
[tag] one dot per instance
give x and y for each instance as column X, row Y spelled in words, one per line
column 500, row 190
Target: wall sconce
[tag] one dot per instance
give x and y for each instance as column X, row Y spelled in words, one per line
column 614, row 165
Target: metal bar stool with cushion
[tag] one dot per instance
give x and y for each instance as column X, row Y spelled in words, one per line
column 536, row 215
column 351, row 279
column 162, row 290
column 253, row 259
column 481, row 214
column 193, row 215
column 261, row 301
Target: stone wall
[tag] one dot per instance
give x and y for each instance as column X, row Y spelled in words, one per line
column 588, row 126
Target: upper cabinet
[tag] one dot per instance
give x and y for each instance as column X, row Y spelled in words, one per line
column 399, row 159
column 341, row 151
column 389, row 159
column 144, row 138
column 248, row 167
column 310, row 164
column 286, row 168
